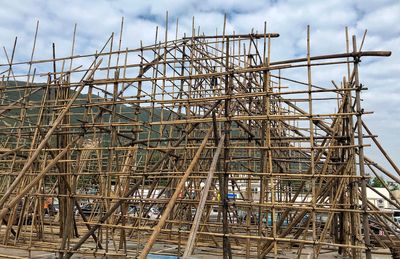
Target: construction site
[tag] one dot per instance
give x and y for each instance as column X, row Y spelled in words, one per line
column 191, row 147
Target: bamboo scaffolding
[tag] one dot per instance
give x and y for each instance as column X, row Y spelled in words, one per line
column 192, row 143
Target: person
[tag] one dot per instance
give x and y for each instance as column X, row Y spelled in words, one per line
column 47, row 205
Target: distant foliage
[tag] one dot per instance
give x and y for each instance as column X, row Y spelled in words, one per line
column 375, row 182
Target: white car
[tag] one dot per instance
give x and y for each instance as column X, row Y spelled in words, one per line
column 397, row 220
column 153, row 213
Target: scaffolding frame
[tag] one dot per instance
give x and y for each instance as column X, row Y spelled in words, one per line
column 201, row 142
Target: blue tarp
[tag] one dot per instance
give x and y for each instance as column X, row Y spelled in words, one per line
column 153, row 256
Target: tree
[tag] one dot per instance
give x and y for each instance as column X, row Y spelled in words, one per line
column 375, row 182
column 395, row 187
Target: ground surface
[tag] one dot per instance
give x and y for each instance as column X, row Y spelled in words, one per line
column 19, row 254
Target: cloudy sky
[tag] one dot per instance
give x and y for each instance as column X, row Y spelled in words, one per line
column 97, row 19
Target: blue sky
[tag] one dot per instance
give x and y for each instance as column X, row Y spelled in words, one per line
column 97, row 19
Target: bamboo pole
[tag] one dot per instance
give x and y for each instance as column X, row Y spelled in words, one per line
column 289, row 144
column 171, row 203
column 200, row 208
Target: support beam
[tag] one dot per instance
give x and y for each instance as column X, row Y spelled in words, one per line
column 172, row 201
column 200, row 208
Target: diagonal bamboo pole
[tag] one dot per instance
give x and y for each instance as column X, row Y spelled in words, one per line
column 45, row 139
column 32, row 183
column 200, row 208
column 171, row 203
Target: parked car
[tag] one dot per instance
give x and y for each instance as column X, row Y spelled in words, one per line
column 396, row 219
column 26, row 217
column 153, row 213
column 90, row 209
column 56, row 208
column 131, row 212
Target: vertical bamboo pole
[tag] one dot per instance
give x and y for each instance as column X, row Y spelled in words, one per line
column 361, row 161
